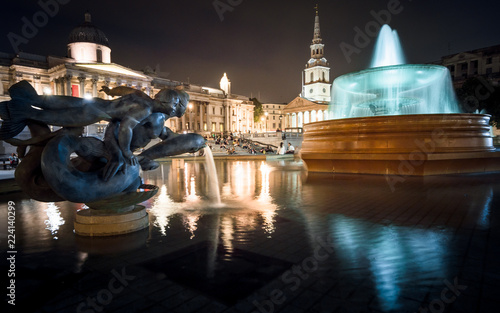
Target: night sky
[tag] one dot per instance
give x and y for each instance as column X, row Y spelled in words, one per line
column 262, row 45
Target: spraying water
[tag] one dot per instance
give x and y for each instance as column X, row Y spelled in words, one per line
column 388, row 50
column 391, row 87
column 212, row 175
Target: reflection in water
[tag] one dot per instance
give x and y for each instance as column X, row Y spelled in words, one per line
column 245, row 192
column 393, row 254
column 484, row 218
column 393, row 244
column 265, row 199
column 54, row 220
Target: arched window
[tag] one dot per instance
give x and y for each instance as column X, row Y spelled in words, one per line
column 312, row 76
column 98, row 55
column 324, row 77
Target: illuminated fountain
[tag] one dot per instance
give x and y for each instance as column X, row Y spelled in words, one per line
column 391, row 87
column 400, row 119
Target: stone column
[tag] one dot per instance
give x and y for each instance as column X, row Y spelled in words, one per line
column 94, row 86
column 230, row 119
column 81, row 79
column 209, row 125
column 201, row 116
column 68, row 84
column 183, row 122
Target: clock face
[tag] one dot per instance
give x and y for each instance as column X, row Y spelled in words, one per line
column 310, row 91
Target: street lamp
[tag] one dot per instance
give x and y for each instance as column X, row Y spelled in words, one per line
column 281, row 117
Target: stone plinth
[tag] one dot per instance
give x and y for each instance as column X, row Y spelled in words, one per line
column 105, row 223
column 426, row 144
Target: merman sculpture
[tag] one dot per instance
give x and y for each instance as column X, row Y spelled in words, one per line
column 105, row 170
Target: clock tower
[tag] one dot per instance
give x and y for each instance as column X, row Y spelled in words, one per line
column 316, row 84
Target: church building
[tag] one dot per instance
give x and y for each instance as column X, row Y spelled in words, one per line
column 312, row 103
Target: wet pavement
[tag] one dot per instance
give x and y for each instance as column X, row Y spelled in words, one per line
column 283, row 240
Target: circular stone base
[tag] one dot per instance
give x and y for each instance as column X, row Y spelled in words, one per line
column 96, row 223
column 419, row 145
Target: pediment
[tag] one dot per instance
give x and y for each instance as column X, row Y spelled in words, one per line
column 300, row 104
column 463, row 56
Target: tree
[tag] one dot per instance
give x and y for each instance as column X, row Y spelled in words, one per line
column 478, row 95
column 258, row 110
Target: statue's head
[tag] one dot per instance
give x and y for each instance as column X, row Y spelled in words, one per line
column 173, row 101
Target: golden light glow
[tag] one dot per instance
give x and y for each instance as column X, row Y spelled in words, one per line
column 114, row 68
column 54, row 220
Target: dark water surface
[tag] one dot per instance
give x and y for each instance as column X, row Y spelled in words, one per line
column 283, row 240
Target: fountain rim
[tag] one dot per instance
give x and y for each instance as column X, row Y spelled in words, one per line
column 389, row 117
column 339, row 81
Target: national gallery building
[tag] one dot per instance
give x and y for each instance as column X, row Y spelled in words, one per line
column 88, row 68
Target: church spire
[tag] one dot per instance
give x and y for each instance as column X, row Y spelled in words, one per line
column 317, row 33
column 317, row 45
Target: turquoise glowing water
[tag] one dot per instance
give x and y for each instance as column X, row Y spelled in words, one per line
column 391, row 87
column 388, row 49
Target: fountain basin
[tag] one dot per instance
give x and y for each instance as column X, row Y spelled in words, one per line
column 419, row 144
column 394, row 90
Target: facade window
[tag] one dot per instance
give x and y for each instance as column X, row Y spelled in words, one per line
column 221, row 113
column 489, row 60
column 464, row 66
column 187, row 125
column 213, row 111
column 312, row 76
column 213, row 126
column 451, row 68
column 324, row 76
column 274, row 125
column 199, row 127
column 274, row 117
column 221, row 127
column 98, row 54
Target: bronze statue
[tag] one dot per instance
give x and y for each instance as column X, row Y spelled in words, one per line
column 103, row 168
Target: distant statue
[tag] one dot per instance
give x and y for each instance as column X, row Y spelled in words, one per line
column 102, row 168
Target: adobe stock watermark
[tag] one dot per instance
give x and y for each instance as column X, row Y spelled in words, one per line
column 363, row 37
column 223, row 6
column 417, row 157
column 104, row 297
column 449, row 295
column 294, row 277
column 30, row 27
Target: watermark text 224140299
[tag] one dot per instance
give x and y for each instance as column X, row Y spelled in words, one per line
column 11, row 253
